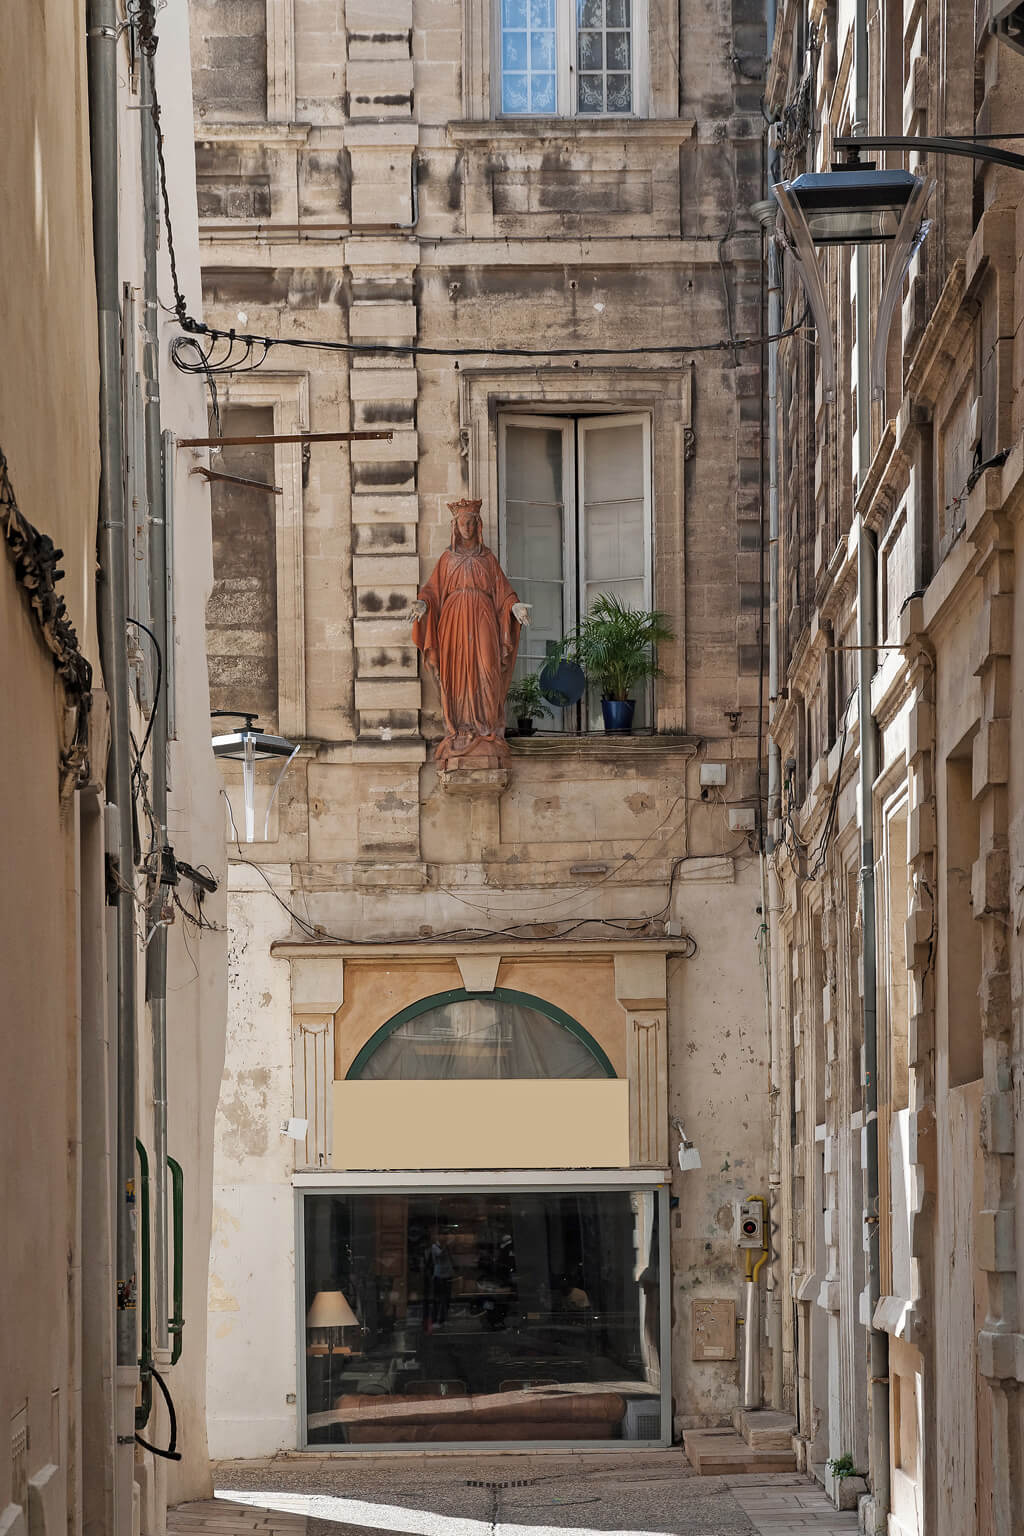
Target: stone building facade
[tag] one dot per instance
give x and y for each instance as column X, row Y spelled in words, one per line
column 908, row 509
column 532, row 275
column 68, row 1460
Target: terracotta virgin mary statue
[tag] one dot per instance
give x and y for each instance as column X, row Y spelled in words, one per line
column 466, row 622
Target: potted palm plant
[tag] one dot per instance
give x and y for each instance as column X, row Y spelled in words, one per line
column 614, row 644
column 527, row 703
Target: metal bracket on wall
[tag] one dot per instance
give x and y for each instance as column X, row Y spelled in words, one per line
column 285, row 437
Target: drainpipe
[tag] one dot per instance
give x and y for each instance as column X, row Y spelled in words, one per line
column 867, row 640
column 156, row 953
column 770, row 892
column 771, row 895
column 101, row 21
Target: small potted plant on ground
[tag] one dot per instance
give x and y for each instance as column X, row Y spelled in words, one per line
column 614, row 644
column 527, row 703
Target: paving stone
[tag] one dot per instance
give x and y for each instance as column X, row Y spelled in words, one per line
column 439, row 1494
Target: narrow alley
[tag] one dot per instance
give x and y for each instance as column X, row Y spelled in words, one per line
column 523, row 1495
column 512, row 788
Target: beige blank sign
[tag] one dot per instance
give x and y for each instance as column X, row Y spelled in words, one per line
column 490, row 1123
column 714, row 1330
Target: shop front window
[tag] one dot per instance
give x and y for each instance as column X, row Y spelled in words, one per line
column 499, row 1315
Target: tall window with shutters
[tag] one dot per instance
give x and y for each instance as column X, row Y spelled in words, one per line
column 575, row 506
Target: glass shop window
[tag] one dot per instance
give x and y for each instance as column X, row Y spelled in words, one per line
column 451, row 1316
column 575, row 508
column 476, row 1037
column 572, row 58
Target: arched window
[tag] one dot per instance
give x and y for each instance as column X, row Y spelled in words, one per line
column 480, row 1034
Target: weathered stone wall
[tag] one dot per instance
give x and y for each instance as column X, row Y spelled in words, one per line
column 378, row 201
column 944, row 525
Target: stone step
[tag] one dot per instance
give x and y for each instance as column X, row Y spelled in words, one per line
column 765, row 1430
column 223, row 1517
column 716, row 1452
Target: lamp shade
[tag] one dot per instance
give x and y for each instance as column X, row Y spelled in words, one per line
column 330, row 1310
column 853, row 207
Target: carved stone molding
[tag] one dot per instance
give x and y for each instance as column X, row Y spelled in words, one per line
column 641, row 987
column 488, row 783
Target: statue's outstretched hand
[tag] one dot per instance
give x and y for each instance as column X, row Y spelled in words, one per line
column 418, row 608
column 521, row 611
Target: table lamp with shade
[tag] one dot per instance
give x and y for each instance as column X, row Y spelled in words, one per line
column 329, row 1310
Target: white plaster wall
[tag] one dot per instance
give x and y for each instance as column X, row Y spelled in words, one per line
column 196, row 964
column 718, row 1088
column 251, row 1354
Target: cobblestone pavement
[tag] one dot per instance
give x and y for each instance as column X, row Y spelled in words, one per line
column 585, row 1494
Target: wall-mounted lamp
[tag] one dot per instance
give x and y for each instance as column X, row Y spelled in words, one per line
column 853, row 205
column 856, row 204
column 250, row 746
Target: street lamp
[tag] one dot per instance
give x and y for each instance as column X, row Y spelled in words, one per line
column 856, row 204
column 250, row 746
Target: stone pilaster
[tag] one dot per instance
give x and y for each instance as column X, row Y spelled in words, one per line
column 640, row 988
column 999, row 1342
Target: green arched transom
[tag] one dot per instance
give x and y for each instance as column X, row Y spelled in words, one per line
column 460, row 995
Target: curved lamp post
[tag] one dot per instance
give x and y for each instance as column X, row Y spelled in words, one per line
column 855, row 204
column 250, row 746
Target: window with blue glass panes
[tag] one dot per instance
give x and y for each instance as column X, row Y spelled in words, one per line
column 573, row 56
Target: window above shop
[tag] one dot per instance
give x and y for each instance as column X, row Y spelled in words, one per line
column 571, row 58
column 461, row 1035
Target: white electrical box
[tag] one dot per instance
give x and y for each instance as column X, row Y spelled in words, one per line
column 742, row 819
column 712, row 773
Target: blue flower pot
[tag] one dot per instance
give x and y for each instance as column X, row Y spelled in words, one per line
column 618, row 714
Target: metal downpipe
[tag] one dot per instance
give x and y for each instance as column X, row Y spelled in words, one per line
column 770, row 881
column 101, row 21
column 156, row 953
column 766, row 212
column 867, row 639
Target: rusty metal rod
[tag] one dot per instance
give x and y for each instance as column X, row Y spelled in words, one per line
column 213, row 474
column 285, row 437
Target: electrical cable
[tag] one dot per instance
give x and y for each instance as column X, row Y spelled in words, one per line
column 245, row 363
column 157, row 685
column 468, row 934
column 171, row 1453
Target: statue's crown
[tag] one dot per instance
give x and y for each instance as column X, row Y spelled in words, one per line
column 464, row 504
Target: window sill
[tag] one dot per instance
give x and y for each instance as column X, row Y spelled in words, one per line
column 209, row 132
column 600, row 746
column 673, row 130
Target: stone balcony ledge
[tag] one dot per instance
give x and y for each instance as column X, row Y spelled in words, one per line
column 601, row 747
column 533, row 129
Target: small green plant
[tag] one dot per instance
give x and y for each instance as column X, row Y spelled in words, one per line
column 614, row 644
column 525, row 699
column 842, row 1466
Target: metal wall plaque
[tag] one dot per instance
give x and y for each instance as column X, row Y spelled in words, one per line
column 714, row 1330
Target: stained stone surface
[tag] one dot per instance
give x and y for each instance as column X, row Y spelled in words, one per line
column 512, row 1495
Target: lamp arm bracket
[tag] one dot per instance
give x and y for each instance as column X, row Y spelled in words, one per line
column 909, row 238
column 968, row 148
column 796, row 238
